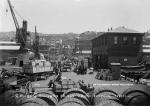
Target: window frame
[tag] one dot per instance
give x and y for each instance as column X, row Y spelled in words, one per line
column 134, row 40
column 125, row 40
column 116, row 40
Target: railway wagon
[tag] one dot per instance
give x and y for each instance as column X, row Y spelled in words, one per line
column 120, row 45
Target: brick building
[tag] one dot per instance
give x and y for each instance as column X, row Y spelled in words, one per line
column 120, row 45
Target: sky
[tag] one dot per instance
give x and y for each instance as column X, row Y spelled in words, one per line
column 65, row 16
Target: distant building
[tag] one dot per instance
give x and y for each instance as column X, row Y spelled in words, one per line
column 44, row 49
column 120, row 45
column 83, row 44
column 44, row 45
column 145, row 49
column 8, row 49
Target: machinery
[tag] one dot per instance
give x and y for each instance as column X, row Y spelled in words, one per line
column 21, row 33
column 37, row 64
column 82, row 67
column 33, row 64
column 60, row 85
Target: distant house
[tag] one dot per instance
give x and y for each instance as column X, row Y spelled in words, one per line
column 120, row 45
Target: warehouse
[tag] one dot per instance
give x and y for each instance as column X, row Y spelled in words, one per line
column 8, row 49
column 120, row 45
column 83, row 46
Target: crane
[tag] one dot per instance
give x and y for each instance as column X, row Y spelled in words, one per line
column 21, row 33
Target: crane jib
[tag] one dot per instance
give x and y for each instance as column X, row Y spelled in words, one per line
column 21, row 33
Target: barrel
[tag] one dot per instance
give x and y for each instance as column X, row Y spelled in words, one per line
column 33, row 102
column 47, row 96
column 137, row 95
column 10, row 97
column 71, row 102
column 105, row 97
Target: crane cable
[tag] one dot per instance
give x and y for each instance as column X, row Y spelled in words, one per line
column 19, row 37
column 18, row 13
column 15, row 12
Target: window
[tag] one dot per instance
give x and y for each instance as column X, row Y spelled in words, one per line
column 106, row 40
column 125, row 40
column 115, row 40
column 134, row 40
column 102, row 41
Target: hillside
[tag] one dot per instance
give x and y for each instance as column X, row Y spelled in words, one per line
column 8, row 36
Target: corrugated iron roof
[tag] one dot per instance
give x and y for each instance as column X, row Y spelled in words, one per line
column 98, row 35
column 9, row 47
column 7, row 42
column 6, row 45
column 88, row 35
column 123, row 29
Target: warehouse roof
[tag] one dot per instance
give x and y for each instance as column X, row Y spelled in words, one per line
column 6, row 45
column 123, row 29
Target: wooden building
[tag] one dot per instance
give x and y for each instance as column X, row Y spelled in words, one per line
column 120, row 45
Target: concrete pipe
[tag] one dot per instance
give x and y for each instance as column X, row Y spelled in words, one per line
column 33, row 102
column 71, row 102
column 137, row 95
column 10, row 97
column 102, row 94
column 47, row 96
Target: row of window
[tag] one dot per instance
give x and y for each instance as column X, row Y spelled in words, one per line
column 116, row 40
column 101, row 41
column 125, row 40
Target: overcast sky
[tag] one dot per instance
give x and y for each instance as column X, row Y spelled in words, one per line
column 63, row 16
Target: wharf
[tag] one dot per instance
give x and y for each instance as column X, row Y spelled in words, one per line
column 118, row 85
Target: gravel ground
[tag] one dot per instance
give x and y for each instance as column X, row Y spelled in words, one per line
column 117, row 86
